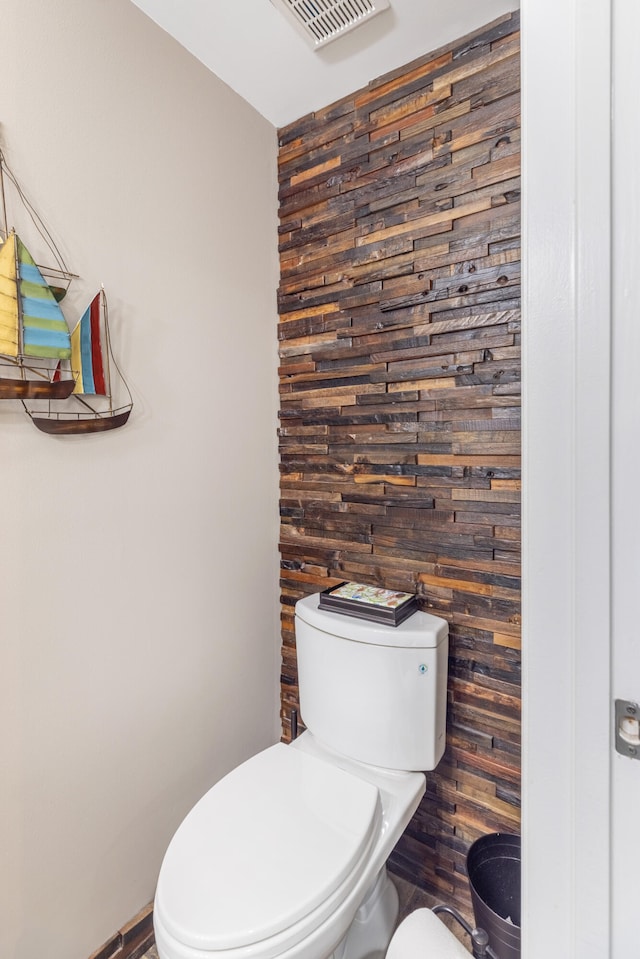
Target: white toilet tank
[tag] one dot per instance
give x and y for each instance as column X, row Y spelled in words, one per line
column 374, row 692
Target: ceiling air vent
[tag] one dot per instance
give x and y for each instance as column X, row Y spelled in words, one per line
column 321, row 21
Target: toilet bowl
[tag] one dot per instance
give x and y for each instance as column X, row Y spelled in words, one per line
column 301, row 858
column 285, row 856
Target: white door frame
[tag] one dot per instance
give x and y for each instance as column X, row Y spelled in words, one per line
column 625, row 554
column 566, row 76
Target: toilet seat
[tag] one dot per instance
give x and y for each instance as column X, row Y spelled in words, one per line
column 267, row 853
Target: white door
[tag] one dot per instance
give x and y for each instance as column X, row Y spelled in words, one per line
column 625, row 476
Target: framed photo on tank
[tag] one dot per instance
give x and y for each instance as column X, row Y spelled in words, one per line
column 378, row 605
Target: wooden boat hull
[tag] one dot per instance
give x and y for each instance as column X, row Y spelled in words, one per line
column 90, row 424
column 17, row 389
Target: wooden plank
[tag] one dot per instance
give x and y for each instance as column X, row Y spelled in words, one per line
column 476, row 65
column 417, row 226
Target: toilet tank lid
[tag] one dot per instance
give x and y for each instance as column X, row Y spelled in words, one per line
column 420, row 630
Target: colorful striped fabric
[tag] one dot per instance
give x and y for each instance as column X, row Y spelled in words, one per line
column 44, row 329
column 86, row 352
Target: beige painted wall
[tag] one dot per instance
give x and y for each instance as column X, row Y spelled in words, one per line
column 138, row 594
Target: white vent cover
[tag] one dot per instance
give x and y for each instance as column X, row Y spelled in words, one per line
column 321, row 21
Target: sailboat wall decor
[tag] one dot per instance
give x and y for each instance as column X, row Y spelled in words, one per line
column 65, row 380
column 90, row 407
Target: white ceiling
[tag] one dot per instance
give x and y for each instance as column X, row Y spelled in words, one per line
column 250, row 45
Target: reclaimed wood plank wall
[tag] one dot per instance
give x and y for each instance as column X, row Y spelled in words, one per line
column 399, row 337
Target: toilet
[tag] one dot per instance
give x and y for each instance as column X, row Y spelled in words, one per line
column 285, row 856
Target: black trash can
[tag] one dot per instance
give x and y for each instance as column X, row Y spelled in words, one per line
column 493, row 866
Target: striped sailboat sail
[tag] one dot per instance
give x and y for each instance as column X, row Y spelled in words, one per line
column 32, row 325
column 31, row 322
column 86, row 352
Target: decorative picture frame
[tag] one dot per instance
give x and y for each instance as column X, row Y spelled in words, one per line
column 388, row 606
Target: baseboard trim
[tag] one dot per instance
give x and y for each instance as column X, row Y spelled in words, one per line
column 132, row 941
